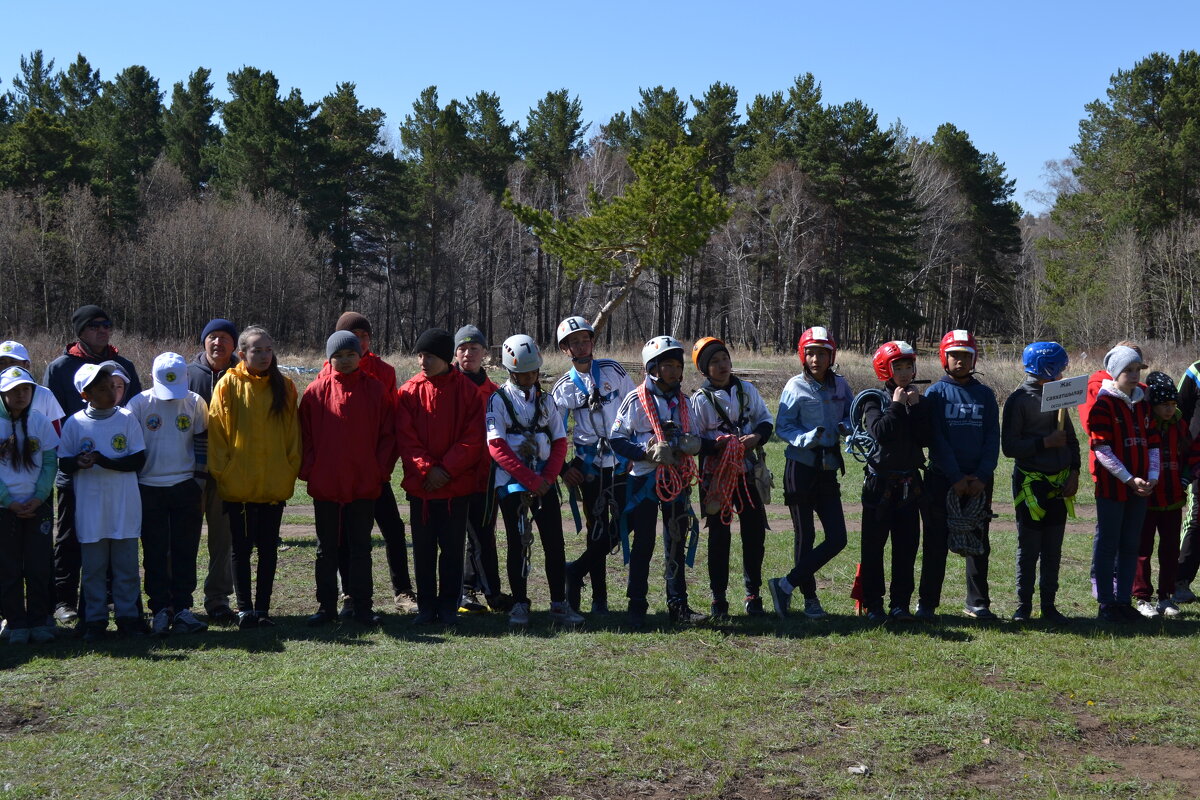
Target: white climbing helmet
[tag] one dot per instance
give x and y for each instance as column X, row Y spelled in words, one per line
column 659, row 346
column 571, row 325
column 520, row 354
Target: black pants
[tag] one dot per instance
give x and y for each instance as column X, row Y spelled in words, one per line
column 1039, row 540
column 171, row 521
column 26, row 563
column 810, row 491
column 936, row 548
column 67, row 558
column 481, row 569
column 391, row 528
column 548, row 518
column 344, row 537
column 254, row 526
column 603, row 499
column 643, row 524
column 888, row 512
column 752, row 527
column 439, row 532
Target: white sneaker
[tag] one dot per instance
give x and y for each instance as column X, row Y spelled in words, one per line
column 1168, row 608
column 562, row 614
column 161, row 624
column 186, row 622
column 813, row 610
column 1147, row 609
column 1184, row 594
column 519, row 616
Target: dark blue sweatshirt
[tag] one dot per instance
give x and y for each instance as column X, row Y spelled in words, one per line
column 966, row 429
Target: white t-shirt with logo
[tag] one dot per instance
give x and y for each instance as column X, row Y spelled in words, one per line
column 168, row 428
column 107, row 502
column 22, row 482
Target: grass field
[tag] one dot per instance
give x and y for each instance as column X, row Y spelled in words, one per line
column 749, row 709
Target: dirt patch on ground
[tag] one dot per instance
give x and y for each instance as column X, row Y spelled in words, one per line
column 1122, row 757
column 16, row 720
column 738, row 787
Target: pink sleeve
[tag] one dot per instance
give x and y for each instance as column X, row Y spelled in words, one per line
column 503, row 455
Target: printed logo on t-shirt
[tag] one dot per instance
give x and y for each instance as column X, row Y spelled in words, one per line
column 491, row 423
column 153, row 422
column 119, row 443
column 37, row 444
column 183, row 423
column 964, row 411
column 86, row 445
column 45, row 527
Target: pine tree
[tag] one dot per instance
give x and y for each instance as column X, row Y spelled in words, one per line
column 191, row 136
column 36, row 87
column 492, row 141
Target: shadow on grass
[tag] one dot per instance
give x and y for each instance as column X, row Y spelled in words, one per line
column 403, row 628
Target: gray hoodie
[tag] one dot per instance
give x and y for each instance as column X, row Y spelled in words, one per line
column 1025, row 425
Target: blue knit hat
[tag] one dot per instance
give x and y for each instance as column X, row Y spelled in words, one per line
column 220, row 325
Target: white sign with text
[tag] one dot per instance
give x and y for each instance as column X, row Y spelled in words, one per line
column 1065, row 393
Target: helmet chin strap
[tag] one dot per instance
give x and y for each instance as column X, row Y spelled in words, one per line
column 580, row 360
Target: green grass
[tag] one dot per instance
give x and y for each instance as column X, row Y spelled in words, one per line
column 751, row 708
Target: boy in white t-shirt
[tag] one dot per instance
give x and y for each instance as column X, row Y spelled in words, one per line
column 102, row 447
column 170, row 417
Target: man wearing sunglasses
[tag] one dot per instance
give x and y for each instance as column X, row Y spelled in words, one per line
column 93, row 328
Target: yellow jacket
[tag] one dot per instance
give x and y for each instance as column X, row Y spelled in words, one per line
column 254, row 455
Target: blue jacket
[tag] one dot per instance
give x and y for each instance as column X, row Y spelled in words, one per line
column 966, row 429
column 806, row 405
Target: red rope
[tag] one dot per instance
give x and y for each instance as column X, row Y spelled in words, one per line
column 725, row 478
column 670, row 480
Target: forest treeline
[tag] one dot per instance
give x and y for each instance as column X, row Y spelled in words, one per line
column 170, row 207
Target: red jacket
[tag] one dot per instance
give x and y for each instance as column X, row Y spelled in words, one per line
column 348, row 433
column 439, row 423
column 483, row 476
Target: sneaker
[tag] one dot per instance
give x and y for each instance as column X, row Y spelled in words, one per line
column 561, row 613
column 95, row 631
column 1128, row 613
column 637, row 619
column 5, row 631
column 1147, row 609
column 222, row 615
column 1023, row 613
column 1110, row 613
column 65, row 614
column 43, row 634
column 1168, row 608
column 247, row 619
column 264, row 620
column 812, row 608
column 754, row 606
column 519, row 616
column 1053, row 616
column 186, row 622
column 132, row 626
column 368, row 617
column 981, row 613
column 719, row 609
column 471, row 604
column 425, row 618
column 322, row 617
column 160, row 623
column 406, row 603
column 900, row 614
column 925, row 614
column 683, row 614
column 779, row 597
column 448, row 616
column 347, row 610
column 1183, row 593
column 502, row 603
column 599, row 607
column 875, row 616
column 19, row 636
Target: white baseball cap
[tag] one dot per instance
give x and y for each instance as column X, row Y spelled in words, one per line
column 170, row 377
column 11, row 349
column 88, row 374
column 13, row 377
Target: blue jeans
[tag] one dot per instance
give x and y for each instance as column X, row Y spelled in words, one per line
column 1118, row 535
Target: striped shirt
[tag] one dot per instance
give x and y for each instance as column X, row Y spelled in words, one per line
column 1177, row 457
column 1124, row 428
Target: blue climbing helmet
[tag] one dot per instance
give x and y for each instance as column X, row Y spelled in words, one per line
column 1045, row 360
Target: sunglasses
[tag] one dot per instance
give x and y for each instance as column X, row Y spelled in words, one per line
column 97, row 324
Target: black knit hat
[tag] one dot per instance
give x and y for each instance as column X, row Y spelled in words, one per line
column 708, row 353
column 85, row 314
column 1161, row 388
column 438, row 342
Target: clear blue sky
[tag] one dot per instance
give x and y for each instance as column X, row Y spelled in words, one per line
column 1015, row 76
